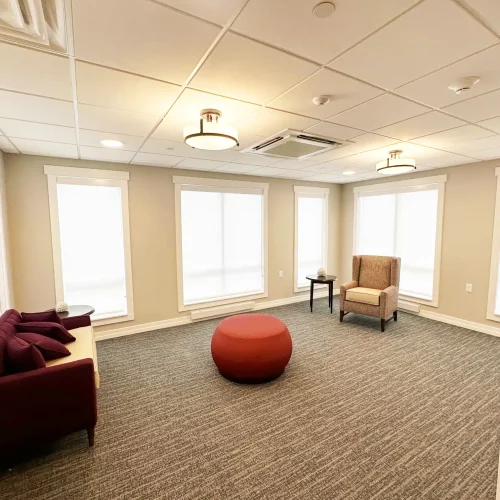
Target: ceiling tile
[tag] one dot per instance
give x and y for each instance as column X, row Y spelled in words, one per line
column 433, row 89
column 247, row 70
column 37, row 131
column 30, row 147
column 488, row 154
column 334, row 131
column 268, row 172
column 256, row 159
column 294, row 174
column 236, row 168
column 188, row 107
column 6, row 146
column 492, row 124
column 431, row 157
column 453, row 137
column 115, row 89
column 215, row 11
column 93, row 138
column 103, row 154
column 415, row 44
column 113, row 120
column 323, row 178
column 471, row 148
column 290, row 24
column 294, row 164
column 421, row 125
column 198, row 164
column 267, row 122
column 141, row 37
column 488, row 11
column 156, row 160
column 344, row 92
column 34, row 72
column 36, row 109
column 379, row 112
column 477, row 109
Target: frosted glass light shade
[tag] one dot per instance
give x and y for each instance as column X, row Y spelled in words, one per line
column 393, row 166
column 210, row 135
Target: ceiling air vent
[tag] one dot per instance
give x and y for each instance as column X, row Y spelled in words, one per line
column 293, row 144
column 34, row 22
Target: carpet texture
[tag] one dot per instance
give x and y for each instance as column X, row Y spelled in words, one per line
column 411, row 413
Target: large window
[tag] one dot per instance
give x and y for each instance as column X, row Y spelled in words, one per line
column 221, row 241
column 311, row 232
column 91, row 243
column 404, row 219
column 493, row 311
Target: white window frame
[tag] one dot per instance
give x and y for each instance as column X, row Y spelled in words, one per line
column 92, row 177
column 309, row 192
column 495, row 261
column 223, row 185
column 410, row 185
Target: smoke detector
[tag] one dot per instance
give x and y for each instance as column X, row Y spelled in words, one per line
column 323, row 10
column 321, row 100
column 463, row 84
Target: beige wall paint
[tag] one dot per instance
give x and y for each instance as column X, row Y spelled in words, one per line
column 152, row 227
column 469, row 209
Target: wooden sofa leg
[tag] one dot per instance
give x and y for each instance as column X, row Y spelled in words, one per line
column 395, row 315
column 382, row 325
column 341, row 316
column 91, row 434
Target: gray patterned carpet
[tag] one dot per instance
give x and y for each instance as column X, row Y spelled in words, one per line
column 358, row 415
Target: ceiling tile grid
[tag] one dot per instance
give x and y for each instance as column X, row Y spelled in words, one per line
column 143, row 69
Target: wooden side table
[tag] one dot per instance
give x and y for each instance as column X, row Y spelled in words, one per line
column 323, row 280
column 77, row 311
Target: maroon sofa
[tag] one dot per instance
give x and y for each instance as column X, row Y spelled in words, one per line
column 45, row 404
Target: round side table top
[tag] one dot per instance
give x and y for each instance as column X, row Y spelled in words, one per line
column 321, row 279
column 77, row 311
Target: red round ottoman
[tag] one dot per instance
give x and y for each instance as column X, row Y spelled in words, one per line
column 251, row 348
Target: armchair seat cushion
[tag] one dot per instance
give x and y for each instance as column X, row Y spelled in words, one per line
column 364, row 295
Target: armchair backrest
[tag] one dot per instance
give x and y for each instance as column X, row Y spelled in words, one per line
column 373, row 271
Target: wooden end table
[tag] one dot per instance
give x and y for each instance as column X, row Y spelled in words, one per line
column 323, row 280
column 74, row 311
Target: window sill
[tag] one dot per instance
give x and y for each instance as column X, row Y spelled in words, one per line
column 112, row 319
column 493, row 317
column 409, row 298
column 222, row 302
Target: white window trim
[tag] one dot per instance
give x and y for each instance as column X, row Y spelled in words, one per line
column 495, row 261
column 223, row 185
column 308, row 191
column 422, row 183
column 89, row 176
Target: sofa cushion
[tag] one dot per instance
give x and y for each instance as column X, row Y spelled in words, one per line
column 45, row 316
column 364, row 295
column 50, row 348
column 81, row 348
column 53, row 330
column 22, row 356
column 7, row 328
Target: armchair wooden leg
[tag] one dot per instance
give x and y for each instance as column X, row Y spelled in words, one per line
column 395, row 315
column 91, row 434
column 382, row 325
column 341, row 316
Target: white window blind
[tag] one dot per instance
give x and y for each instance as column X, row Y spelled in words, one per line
column 406, row 223
column 311, row 235
column 493, row 310
column 222, row 243
column 91, row 244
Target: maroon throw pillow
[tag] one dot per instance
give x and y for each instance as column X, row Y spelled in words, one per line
column 22, row 356
column 53, row 330
column 49, row 348
column 45, row 316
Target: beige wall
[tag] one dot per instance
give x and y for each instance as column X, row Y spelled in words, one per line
column 152, row 227
column 469, row 208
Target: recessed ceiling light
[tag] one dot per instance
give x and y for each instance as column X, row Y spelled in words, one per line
column 209, row 133
column 324, row 9
column 349, row 172
column 394, row 164
column 112, row 143
column 463, row 84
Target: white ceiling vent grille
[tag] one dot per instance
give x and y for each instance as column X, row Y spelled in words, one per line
column 34, row 22
column 293, row 144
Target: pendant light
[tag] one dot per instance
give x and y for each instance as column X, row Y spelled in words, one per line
column 394, row 164
column 209, row 133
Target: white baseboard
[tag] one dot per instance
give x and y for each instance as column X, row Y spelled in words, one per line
column 452, row 320
column 184, row 320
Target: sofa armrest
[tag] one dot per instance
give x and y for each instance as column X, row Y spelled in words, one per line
column 388, row 301
column 47, row 403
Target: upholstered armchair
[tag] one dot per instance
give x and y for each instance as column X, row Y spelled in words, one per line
column 374, row 288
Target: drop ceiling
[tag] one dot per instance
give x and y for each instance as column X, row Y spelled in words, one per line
column 139, row 70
